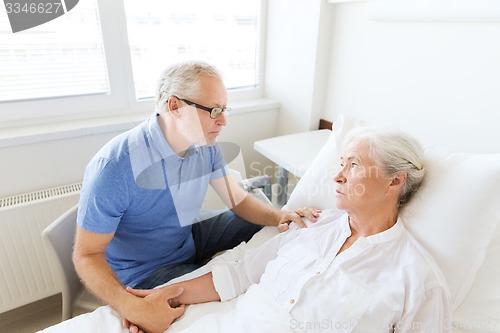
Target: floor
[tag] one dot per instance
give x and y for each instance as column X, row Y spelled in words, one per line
column 34, row 317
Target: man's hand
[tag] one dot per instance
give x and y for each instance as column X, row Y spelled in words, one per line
column 296, row 216
column 161, row 309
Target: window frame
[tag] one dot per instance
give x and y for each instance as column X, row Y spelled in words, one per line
column 122, row 99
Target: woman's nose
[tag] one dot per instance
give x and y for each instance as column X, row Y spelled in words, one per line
column 339, row 177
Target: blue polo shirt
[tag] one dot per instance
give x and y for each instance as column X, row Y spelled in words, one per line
column 139, row 189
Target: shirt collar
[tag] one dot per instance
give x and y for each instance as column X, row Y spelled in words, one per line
column 344, row 226
column 160, row 143
column 395, row 232
column 385, row 236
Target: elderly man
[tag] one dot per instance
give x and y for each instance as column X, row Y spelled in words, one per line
column 144, row 189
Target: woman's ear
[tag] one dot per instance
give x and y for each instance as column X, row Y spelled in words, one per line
column 399, row 180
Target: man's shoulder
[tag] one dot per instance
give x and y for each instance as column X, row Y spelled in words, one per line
column 119, row 146
column 113, row 151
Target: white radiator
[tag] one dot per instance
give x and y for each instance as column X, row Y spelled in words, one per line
column 26, row 264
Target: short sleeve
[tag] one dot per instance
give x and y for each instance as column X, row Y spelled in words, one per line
column 104, row 197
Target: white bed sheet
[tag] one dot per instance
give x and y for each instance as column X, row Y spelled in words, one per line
column 106, row 320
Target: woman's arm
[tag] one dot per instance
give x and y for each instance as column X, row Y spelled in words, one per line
column 429, row 313
column 197, row 290
column 235, row 273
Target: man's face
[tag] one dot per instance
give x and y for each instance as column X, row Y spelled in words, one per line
column 196, row 124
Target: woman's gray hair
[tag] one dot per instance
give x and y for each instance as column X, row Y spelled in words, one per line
column 183, row 80
column 396, row 152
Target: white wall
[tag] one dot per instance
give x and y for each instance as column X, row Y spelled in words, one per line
column 439, row 81
column 297, row 58
column 36, row 166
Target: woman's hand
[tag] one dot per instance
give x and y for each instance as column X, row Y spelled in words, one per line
column 297, row 216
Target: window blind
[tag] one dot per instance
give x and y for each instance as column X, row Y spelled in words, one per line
column 63, row 57
column 225, row 33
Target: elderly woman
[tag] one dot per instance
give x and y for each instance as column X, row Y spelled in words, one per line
column 357, row 269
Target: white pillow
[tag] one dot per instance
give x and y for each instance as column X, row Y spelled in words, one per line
column 453, row 215
column 480, row 310
column 316, row 188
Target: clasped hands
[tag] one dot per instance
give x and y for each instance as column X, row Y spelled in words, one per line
column 161, row 309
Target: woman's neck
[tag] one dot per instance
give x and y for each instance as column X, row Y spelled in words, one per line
column 371, row 224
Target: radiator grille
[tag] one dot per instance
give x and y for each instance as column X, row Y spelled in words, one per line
column 40, row 195
column 27, row 265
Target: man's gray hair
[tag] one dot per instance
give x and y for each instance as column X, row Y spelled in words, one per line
column 395, row 152
column 182, row 80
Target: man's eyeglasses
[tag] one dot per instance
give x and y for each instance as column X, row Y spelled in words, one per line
column 214, row 112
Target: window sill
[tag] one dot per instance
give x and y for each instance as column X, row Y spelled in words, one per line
column 17, row 136
column 343, row 1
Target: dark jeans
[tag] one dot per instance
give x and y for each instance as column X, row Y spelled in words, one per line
column 219, row 233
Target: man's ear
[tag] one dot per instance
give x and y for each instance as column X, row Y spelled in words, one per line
column 172, row 104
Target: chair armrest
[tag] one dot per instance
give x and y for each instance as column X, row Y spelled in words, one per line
column 259, row 182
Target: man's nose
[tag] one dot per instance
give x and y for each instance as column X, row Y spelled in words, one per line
column 221, row 119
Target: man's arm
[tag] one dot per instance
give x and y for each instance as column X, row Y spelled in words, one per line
column 254, row 210
column 197, row 290
column 153, row 313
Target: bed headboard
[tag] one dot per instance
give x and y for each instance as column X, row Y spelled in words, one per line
column 325, row 124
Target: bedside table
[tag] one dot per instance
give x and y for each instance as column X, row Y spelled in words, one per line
column 292, row 153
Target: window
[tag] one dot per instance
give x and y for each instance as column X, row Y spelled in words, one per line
column 225, row 33
column 103, row 58
column 64, row 57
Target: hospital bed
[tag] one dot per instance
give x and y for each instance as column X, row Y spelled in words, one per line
column 455, row 216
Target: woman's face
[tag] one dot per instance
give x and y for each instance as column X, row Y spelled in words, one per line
column 361, row 183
